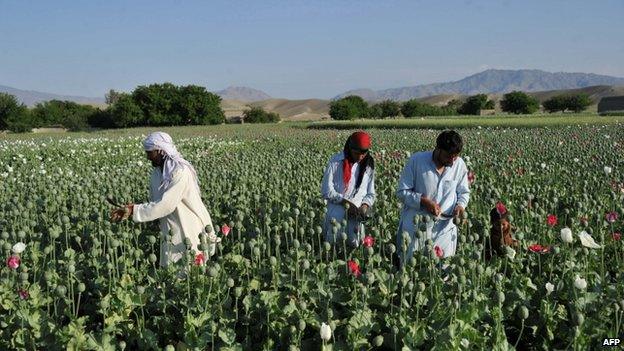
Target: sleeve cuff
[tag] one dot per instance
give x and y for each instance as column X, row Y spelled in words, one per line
column 135, row 213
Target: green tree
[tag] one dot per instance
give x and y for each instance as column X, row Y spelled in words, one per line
column 578, row 102
column 474, row 104
column 258, row 115
column 167, row 104
column 519, row 102
column 415, row 108
column 452, row 107
column 198, row 106
column 555, row 103
column 350, row 107
column 124, row 113
column 386, row 108
column 68, row 114
column 14, row 115
column 375, row 111
column 159, row 104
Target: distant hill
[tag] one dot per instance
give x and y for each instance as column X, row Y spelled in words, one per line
column 31, row 98
column 314, row 109
column 492, row 81
column 289, row 110
column 243, row 94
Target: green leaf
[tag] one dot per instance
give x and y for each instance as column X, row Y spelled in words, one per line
column 227, row 335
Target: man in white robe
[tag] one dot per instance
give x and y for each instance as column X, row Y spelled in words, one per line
column 175, row 200
column 434, row 184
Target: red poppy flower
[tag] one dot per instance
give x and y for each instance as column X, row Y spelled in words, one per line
column 539, row 248
column 225, row 229
column 13, row 262
column 616, row 236
column 354, row 268
column 200, row 259
column 551, row 220
column 471, row 177
column 438, row 251
column 611, row 217
column 368, row 241
column 23, row 294
column 500, row 208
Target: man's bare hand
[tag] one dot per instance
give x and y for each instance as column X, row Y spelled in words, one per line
column 458, row 211
column 430, row 206
column 363, row 209
column 119, row 214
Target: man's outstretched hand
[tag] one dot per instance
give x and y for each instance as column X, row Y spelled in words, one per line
column 430, row 206
column 119, row 214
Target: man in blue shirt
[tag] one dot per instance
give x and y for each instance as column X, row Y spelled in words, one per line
column 434, row 187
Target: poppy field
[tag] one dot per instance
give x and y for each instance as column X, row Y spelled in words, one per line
column 71, row 279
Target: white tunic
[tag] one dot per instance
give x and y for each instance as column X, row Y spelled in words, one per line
column 180, row 210
column 420, row 177
column 334, row 191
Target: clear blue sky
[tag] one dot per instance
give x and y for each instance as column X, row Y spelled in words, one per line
column 298, row 49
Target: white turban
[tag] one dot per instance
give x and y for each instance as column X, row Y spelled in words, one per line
column 172, row 158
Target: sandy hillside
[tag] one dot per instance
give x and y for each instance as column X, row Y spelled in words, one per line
column 289, row 110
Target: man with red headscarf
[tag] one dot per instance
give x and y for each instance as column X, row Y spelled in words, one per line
column 349, row 188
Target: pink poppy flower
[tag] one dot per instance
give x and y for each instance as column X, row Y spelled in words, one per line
column 225, row 229
column 23, row 294
column 354, row 268
column 500, row 208
column 438, row 251
column 539, row 248
column 471, row 177
column 13, row 262
column 551, row 220
column 611, row 217
column 200, row 259
column 368, row 241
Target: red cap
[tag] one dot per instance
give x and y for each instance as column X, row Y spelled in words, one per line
column 361, row 140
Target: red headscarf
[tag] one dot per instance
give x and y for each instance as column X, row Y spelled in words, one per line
column 360, row 140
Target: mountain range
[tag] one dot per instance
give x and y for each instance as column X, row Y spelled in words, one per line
column 492, row 81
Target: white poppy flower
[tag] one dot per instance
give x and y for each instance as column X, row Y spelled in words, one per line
column 549, row 288
column 580, row 283
column 325, row 332
column 588, row 241
column 607, row 170
column 566, row 235
column 19, row 248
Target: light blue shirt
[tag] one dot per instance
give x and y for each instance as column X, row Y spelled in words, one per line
column 420, row 178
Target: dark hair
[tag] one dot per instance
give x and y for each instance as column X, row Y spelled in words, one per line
column 366, row 163
column 495, row 216
column 450, row 141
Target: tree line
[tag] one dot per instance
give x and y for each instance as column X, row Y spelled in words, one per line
column 152, row 105
column 517, row 102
